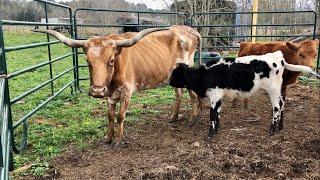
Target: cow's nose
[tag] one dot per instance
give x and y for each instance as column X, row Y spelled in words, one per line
column 98, row 91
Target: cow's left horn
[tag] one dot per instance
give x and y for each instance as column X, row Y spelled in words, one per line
column 137, row 37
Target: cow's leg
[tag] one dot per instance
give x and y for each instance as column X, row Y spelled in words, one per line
column 176, row 107
column 214, row 118
column 111, row 114
column 124, row 104
column 284, row 92
column 246, row 102
column 200, row 105
column 234, row 102
column 277, row 108
column 194, row 110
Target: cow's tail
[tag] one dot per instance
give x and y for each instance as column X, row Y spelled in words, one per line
column 300, row 68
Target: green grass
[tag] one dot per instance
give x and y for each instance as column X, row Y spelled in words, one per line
column 71, row 119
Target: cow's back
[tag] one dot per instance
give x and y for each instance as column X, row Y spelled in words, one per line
column 149, row 63
column 248, row 48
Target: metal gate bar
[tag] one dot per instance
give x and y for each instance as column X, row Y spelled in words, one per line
column 313, row 15
column 7, row 127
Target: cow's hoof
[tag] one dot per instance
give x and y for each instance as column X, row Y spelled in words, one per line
column 107, row 140
column 174, row 120
column 119, row 145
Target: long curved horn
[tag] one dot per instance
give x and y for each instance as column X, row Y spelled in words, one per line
column 137, row 37
column 65, row 40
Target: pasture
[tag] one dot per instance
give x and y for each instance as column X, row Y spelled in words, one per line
column 66, row 137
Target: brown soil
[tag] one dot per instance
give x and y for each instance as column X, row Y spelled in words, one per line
column 156, row 149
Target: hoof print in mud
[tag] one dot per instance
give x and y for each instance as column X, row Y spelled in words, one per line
column 257, row 166
column 192, row 123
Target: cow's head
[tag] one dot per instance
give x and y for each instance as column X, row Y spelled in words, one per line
column 304, row 53
column 102, row 55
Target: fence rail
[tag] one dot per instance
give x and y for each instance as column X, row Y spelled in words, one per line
column 211, row 37
column 8, row 125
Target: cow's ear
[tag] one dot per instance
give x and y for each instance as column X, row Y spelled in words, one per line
column 292, row 46
column 85, row 47
column 316, row 42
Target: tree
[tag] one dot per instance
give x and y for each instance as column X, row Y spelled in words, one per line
column 318, row 10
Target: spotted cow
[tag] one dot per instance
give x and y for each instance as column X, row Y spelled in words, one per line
column 302, row 53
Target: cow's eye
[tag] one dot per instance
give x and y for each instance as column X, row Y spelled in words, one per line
column 111, row 62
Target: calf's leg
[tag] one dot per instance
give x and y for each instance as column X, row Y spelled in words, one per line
column 215, row 97
column 277, row 108
column 283, row 93
column 214, row 118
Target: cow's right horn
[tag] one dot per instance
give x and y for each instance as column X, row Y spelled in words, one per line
column 65, row 40
column 137, row 37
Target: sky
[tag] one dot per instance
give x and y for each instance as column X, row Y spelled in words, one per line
column 153, row 4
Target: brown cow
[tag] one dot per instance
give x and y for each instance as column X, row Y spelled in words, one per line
column 303, row 53
column 120, row 64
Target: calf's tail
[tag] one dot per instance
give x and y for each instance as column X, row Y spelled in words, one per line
column 300, row 68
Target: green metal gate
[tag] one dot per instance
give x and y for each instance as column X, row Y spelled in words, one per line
column 232, row 24
column 8, row 142
column 8, row 124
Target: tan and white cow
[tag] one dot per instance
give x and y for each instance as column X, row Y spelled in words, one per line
column 120, row 64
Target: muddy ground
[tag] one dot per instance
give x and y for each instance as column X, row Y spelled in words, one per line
column 156, row 149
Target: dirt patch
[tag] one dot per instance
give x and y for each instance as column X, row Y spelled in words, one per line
column 156, row 149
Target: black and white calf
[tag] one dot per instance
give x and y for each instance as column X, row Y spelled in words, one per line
column 242, row 77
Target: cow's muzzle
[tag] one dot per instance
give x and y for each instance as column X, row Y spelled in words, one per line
column 98, row 91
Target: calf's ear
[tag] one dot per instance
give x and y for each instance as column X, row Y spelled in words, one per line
column 292, row 46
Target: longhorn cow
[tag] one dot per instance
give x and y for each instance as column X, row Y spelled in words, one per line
column 120, row 64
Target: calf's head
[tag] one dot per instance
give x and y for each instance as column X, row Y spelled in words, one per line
column 304, row 53
column 178, row 76
column 102, row 55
